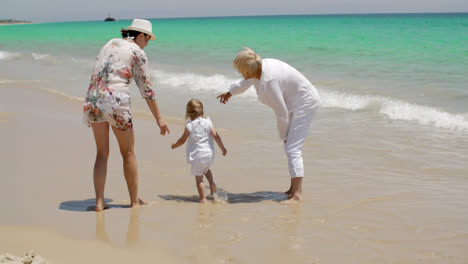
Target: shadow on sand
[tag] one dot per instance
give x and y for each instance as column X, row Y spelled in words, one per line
column 224, row 196
column 88, row 205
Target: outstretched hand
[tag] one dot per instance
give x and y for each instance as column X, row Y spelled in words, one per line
column 224, row 97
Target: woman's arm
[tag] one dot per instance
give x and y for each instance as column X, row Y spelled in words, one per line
column 181, row 140
column 153, row 106
column 279, row 107
column 236, row 88
column 142, row 75
column 218, row 140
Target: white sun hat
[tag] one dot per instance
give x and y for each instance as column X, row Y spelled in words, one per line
column 142, row 25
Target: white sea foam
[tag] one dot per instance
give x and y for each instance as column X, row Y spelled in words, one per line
column 39, row 56
column 424, row 115
column 396, row 109
column 47, row 58
column 4, row 55
column 216, row 83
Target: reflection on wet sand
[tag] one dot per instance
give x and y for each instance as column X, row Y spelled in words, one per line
column 133, row 230
column 292, row 239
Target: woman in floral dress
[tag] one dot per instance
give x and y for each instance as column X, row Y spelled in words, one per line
column 107, row 103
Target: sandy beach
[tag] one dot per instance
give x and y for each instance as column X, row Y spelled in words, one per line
column 47, row 156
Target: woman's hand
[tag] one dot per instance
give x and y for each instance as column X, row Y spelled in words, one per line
column 153, row 106
column 224, row 98
column 163, row 126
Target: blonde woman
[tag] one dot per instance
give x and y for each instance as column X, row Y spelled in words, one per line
column 291, row 96
column 107, row 103
column 200, row 149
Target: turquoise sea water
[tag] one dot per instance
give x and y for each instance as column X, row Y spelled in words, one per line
column 406, row 64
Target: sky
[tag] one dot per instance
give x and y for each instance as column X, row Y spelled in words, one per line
column 83, row 10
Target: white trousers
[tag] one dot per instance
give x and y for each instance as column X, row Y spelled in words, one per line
column 298, row 128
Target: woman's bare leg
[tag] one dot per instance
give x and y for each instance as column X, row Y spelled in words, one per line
column 126, row 142
column 101, row 136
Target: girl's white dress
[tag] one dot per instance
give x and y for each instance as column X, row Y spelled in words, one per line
column 200, row 147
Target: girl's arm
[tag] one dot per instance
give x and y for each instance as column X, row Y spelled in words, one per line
column 218, row 140
column 181, row 140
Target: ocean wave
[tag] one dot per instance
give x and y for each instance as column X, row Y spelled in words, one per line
column 391, row 108
column 424, row 115
column 34, row 56
column 47, row 58
column 396, row 110
column 216, row 83
column 39, row 56
column 4, row 55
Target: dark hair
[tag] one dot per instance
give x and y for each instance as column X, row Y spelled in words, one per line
column 130, row 33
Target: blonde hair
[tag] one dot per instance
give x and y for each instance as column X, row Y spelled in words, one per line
column 247, row 61
column 194, row 109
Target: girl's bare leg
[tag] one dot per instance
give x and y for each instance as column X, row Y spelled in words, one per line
column 126, row 142
column 209, row 177
column 101, row 136
column 200, row 188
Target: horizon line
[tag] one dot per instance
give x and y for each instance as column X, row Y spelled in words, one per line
column 265, row 15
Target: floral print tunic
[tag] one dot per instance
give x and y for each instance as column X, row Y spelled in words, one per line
column 108, row 97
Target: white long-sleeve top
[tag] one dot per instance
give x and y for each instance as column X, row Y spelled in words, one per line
column 282, row 88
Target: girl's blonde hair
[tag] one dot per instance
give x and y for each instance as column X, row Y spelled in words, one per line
column 247, row 61
column 194, row 109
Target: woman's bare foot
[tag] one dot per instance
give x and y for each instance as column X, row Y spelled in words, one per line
column 203, row 200
column 212, row 188
column 101, row 207
column 296, row 198
column 288, row 192
column 137, row 204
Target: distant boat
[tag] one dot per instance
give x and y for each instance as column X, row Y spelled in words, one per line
column 109, row 18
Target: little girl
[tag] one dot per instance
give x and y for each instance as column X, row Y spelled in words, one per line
column 200, row 150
